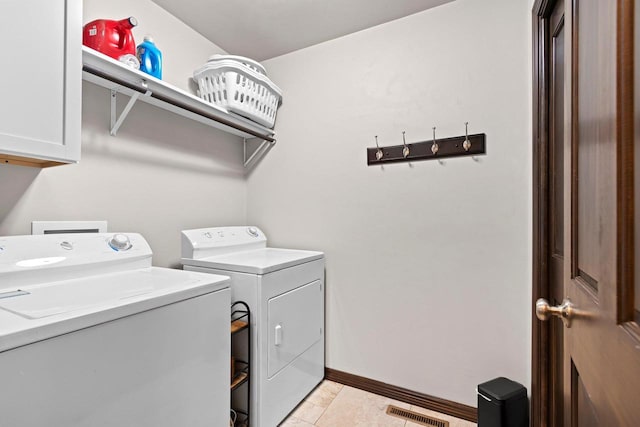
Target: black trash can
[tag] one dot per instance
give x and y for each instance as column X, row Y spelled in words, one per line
column 502, row 403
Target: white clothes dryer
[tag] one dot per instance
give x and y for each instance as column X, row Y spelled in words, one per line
column 284, row 289
column 91, row 335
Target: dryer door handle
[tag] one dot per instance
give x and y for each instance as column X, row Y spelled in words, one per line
column 278, row 338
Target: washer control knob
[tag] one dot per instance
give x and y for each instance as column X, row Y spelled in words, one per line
column 253, row 231
column 66, row 245
column 120, row 242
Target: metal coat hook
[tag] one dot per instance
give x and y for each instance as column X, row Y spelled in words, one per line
column 434, row 147
column 379, row 152
column 405, row 149
column 466, row 144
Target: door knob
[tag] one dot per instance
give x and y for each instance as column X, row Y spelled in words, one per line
column 565, row 311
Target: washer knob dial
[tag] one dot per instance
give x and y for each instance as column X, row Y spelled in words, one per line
column 253, row 231
column 120, row 242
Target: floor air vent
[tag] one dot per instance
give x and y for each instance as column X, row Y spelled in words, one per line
column 416, row 417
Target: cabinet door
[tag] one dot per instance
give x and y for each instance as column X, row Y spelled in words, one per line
column 41, row 80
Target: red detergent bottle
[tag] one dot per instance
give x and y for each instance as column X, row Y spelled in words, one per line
column 113, row 38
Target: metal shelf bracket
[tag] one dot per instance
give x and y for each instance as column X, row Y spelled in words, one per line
column 116, row 122
column 263, row 146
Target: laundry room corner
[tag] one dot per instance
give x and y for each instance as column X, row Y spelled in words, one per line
column 424, row 260
column 320, row 213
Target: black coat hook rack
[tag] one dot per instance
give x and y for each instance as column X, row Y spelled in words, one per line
column 447, row 148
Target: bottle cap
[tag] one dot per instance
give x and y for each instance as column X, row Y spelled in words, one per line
column 148, row 39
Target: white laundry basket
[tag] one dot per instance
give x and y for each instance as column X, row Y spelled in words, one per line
column 248, row 62
column 239, row 89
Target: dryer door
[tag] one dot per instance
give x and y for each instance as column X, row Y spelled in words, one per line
column 295, row 324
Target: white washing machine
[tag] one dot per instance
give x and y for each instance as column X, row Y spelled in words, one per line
column 285, row 291
column 91, row 335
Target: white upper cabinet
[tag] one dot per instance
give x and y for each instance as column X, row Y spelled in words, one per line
column 41, row 82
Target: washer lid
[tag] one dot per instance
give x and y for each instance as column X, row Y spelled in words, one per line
column 259, row 261
column 33, row 313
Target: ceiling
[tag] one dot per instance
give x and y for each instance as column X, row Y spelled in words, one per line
column 263, row 29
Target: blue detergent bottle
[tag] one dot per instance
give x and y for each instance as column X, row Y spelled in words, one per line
column 150, row 58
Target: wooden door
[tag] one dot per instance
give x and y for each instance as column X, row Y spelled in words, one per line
column 602, row 346
column 599, row 375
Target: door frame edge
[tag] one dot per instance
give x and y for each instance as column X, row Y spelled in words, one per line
column 540, row 333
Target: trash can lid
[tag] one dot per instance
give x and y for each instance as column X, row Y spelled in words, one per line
column 502, row 388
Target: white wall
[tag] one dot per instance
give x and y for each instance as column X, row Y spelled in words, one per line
column 428, row 264
column 161, row 174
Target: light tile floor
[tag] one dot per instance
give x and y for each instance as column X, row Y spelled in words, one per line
column 336, row 405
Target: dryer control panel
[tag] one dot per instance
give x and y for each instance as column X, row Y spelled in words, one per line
column 205, row 242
